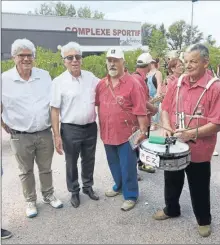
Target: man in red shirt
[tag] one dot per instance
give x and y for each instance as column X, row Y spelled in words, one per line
column 142, row 68
column 121, row 109
column 198, row 171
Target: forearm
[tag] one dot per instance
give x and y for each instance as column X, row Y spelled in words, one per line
column 204, row 131
column 165, row 119
column 55, row 112
column 150, row 107
column 159, row 88
column 143, row 122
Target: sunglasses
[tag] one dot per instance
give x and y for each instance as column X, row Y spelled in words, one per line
column 22, row 56
column 71, row 57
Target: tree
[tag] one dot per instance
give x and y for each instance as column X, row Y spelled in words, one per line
column 98, row 15
column 86, row 12
column 179, row 35
column 196, row 35
column 210, row 41
column 163, row 29
column 146, row 31
column 45, row 9
column 62, row 9
column 157, row 43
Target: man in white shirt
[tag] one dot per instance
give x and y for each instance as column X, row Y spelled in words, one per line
column 26, row 116
column 73, row 99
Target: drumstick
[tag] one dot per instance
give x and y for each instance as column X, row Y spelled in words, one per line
column 157, row 124
column 184, row 130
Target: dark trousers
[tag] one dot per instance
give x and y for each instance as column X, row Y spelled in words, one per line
column 77, row 140
column 198, row 175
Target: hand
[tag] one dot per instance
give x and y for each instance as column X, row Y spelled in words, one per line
column 154, row 112
column 58, row 145
column 168, row 133
column 183, row 135
column 140, row 138
column 6, row 128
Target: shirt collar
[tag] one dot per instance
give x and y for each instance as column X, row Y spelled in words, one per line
column 69, row 75
column 17, row 78
column 202, row 82
column 122, row 79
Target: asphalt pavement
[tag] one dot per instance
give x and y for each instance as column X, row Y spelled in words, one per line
column 101, row 222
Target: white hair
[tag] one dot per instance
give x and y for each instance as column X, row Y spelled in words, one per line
column 204, row 51
column 69, row 46
column 21, row 44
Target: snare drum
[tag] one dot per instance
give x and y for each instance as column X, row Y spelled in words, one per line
column 155, row 155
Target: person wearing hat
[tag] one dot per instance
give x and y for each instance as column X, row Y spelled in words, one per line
column 143, row 66
column 122, row 110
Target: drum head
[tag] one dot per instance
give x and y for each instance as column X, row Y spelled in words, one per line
column 179, row 147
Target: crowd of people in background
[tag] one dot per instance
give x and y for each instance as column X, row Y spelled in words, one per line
column 66, row 121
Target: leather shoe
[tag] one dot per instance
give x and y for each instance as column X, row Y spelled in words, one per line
column 75, row 201
column 91, row 194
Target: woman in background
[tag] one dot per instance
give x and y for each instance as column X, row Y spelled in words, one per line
column 154, row 82
column 175, row 70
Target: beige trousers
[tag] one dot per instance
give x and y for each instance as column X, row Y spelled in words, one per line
column 36, row 147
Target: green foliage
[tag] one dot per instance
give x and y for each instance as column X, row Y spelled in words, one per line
column 52, row 62
column 179, row 35
column 61, row 9
column 214, row 54
column 157, row 44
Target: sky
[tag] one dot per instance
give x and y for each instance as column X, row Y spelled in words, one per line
column 206, row 13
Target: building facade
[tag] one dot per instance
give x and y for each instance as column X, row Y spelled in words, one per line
column 94, row 36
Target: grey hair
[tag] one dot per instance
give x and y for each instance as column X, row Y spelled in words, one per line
column 21, row 44
column 203, row 50
column 70, row 46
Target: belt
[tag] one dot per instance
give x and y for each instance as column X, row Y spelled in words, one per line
column 80, row 126
column 24, row 132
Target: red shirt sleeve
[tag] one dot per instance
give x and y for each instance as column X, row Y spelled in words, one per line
column 138, row 99
column 97, row 102
column 167, row 101
column 214, row 111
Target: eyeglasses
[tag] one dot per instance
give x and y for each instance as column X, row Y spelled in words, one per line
column 71, row 57
column 22, row 56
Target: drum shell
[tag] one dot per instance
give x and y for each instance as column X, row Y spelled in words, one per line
column 171, row 162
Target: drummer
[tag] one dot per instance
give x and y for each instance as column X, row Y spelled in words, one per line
column 199, row 170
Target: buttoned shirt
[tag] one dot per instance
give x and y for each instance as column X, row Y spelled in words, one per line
column 140, row 76
column 75, row 97
column 118, row 115
column 26, row 104
column 210, row 106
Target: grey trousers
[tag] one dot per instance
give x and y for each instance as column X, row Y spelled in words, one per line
column 36, row 147
column 79, row 140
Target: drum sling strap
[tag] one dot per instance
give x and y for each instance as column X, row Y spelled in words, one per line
column 179, row 83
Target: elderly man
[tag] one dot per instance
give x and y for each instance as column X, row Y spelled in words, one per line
column 121, row 108
column 198, row 172
column 143, row 66
column 73, row 98
column 26, row 116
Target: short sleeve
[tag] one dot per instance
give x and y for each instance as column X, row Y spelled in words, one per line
column 138, row 99
column 214, row 110
column 55, row 94
column 97, row 101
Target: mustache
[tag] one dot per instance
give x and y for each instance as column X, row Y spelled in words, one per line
column 113, row 68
